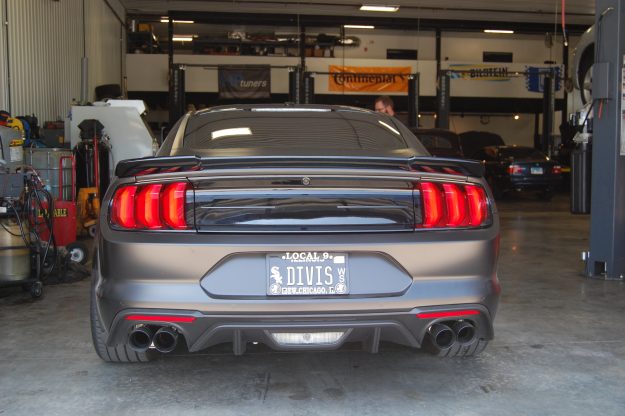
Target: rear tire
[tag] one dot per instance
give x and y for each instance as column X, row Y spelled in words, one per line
column 119, row 353
column 459, row 350
column 546, row 195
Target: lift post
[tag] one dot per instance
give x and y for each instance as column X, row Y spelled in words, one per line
column 606, row 258
column 443, row 103
column 413, row 100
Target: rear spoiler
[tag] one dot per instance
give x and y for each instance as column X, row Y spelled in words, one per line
column 152, row 165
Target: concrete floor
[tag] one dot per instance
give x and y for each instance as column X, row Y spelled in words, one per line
column 559, row 350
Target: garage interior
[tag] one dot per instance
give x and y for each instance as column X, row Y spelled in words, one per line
column 559, row 346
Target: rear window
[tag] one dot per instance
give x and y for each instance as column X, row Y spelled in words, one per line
column 521, row 153
column 280, row 129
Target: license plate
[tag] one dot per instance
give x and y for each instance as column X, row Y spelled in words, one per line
column 307, row 273
column 536, row 170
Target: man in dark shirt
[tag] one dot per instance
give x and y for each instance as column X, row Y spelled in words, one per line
column 384, row 104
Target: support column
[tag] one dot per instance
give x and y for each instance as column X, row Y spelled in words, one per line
column 443, row 104
column 413, row 101
column 606, row 258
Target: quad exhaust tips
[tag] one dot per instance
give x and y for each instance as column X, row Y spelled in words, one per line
column 165, row 339
column 444, row 337
column 140, row 338
column 465, row 332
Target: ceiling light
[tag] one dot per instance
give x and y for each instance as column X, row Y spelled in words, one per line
column 508, row 32
column 358, row 27
column 378, row 8
column 182, row 38
column 166, row 20
column 516, row 117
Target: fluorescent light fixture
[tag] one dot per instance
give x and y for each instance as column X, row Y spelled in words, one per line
column 183, row 38
column 239, row 131
column 165, row 19
column 378, row 8
column 358, row 27
column 508, row 32
column 389, row 127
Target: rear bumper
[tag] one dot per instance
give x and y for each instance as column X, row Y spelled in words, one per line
column 528, row 183
column 394, row 276
column 369, row 329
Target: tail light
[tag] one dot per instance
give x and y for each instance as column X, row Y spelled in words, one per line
column 515, row 169
column 446, row 205
column 556, row 170
column 152, row 207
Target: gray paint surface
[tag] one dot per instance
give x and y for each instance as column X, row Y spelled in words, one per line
column 559, row 350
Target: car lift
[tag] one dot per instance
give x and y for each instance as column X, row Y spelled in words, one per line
column 606, row 256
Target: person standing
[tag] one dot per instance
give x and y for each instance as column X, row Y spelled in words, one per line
column 384, row 104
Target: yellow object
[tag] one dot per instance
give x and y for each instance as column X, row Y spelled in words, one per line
column 15, row 123
column 87, row 211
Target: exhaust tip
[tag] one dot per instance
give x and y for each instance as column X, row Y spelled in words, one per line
column 140, row 338
column 165, row 340
column 465, row 332
column 442, row 336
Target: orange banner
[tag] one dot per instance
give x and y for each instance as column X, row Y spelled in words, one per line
column 368, row 79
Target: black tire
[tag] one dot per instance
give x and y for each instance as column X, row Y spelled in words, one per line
column 458, row 350
column 546, row 195
column 36, row 290
column 77, row 252
column 586, row 62
column 118, row 354
column 92, row 230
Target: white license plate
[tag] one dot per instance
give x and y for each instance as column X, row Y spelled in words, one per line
column 536, row 170
column 307, row 273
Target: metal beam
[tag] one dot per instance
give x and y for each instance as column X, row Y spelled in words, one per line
column 606, row 258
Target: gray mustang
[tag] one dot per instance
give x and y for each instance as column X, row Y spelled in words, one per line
column 299, row 227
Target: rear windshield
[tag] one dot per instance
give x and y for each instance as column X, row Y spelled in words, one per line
column 275, row 129
column 521, row 153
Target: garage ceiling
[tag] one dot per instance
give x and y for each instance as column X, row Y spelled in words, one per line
column 580, row 12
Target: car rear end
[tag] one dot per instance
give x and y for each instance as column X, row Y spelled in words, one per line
column 530, row 169
column 296, row 252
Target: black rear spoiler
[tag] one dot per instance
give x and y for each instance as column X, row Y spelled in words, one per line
column 152, row 165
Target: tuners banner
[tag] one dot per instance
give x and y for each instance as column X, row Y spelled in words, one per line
column 368, row 79
column 245, row 82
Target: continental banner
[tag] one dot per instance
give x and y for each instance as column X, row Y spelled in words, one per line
column 368, row 79
column 245, row 82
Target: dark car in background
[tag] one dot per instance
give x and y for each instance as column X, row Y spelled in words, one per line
column 295, row 226
column 440, row 142
column 519, row 168
column 473, row 141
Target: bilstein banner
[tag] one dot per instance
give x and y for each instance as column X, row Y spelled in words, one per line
column 244, row 82
column 368, row 79
column 480, row 72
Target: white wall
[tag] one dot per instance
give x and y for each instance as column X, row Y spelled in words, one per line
column 105, row 40
column 46, row 43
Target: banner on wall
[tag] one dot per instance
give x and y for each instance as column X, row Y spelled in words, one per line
column 368, row 79
column 479, row 72
column 535, row 78
column 245, row 82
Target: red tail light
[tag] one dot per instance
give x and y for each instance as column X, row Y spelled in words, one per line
column 515, row 169
column 432, row 205
column 153, row 206
column 453, row 205
column 123, row 209
column 556, row 170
